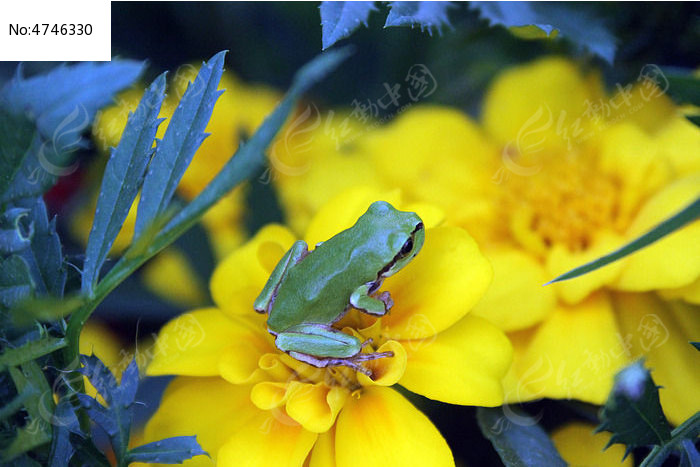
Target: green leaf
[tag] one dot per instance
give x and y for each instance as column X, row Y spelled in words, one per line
column 44, row 256
column 670, row 225
column 696, row 345
column 64, row 423
column 29, row 351
column 16, row 136
column 250, row 156
column 517, row 438
column 633, row 412
column 183, row 137
column 569, row 21
column 15, row 281
column 427, row 15
column 86, row 453
column 39, row 406
column 340, row 19
column 684, row 89
column 687, row 431
column 167, row 451
column 122, row 179
column 116, row 417
column 64, row 101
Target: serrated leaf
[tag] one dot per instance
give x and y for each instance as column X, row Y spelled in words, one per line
column 686, row 215
column 64, row 423
column 44, row 256
column 167, row 451
column 340, row 19
column 29, row 351
column 52, row 99
column 518, row 439
column 184, row 135
column 571, row 21
column 116, row 417
column 15, row 281
column 633, row 412
column 687, row 431
column 696, row 345
column 122, row 179
column 249, row 157
column 427, row 15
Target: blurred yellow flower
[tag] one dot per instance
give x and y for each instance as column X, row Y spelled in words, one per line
column 579, row 446
column 559, row 173
column 251, row 404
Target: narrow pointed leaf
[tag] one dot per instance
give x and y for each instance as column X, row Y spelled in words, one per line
column 670, row 225
column 250, row 156
column 18, row 139
column 167, row 451
column 122, row 179
column 426, row 15
column 64, row 423
column 340, row 19
column 183, row 137
column 29, row 351
column 517, row 439
column 688, row 430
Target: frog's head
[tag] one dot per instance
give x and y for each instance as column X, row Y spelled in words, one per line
column 406, row 236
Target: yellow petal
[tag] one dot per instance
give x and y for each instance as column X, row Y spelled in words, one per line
column 560, row 260
column 690, row 293
column 315, row 406
column 579, row 446
column 170, row 276
column 268, row 394
column 554, row 89
column 673, row 259
column 191, row 343
column 516, row 298
column 462, row 365
column 385, row 371
column 323, row 454
column 209, row 408
column 660, row 332
column 267, row 440
column 239, row 362
column 383, row 428
column 342, row 211
column 239, row 278
column 441, row 285
column 573, row 353
column 678, row 143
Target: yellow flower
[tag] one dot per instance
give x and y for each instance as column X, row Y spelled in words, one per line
column 579, row 446
column 251, row 404
column 559, row 173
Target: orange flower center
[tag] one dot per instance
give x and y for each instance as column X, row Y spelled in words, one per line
column 565, row 202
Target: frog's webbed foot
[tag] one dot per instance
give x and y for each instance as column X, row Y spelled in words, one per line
column 369, row 302
column 351, row 362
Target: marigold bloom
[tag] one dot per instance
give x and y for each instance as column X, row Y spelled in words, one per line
column 557, row 174
column 251, row 404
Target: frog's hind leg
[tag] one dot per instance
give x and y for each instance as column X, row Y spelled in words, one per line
column 296, row 253
column 352, row 362
column 362, row 299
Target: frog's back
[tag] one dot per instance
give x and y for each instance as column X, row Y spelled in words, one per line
column 325, row 298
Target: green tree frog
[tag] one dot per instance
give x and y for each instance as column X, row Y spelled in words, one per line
column 308, row 291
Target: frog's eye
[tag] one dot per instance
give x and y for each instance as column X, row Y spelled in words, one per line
column 406, row 248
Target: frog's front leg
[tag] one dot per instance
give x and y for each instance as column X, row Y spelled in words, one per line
column 376, row 306
column 321, row 346
column 295, row 254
